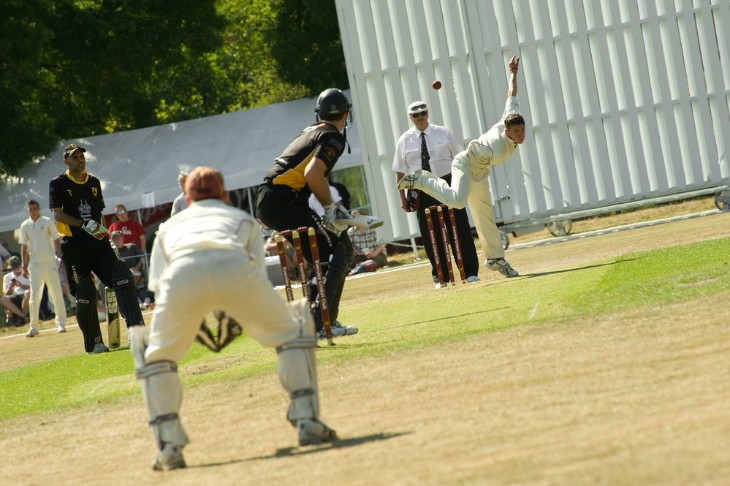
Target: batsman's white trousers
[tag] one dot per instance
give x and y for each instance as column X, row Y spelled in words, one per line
column 469, row 184
column 45, row 273
column 194, row 285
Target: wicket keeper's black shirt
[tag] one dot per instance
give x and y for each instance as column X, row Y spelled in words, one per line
column 81, row 200
column 321, row 140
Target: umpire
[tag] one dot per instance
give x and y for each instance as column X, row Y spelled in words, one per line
column 76, row 201
column 301, row 170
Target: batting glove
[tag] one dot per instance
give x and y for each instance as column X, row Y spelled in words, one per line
column 97, row 230
column 330, row 220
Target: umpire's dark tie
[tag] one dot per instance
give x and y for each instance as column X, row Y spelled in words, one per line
column 425, row 158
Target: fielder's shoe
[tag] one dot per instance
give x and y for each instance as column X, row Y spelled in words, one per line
column 473, row 279
column 31, row 333
column 500, row 265
column 338, row 330
column 169, row 458
column 409, row 180
column 99, row 348
column 313, row 432
column 60, row 328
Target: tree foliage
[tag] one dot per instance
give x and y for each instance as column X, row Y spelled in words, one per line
column 306, row 44
column 73, row 68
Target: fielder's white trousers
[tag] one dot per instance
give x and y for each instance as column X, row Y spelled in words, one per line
column 469, row 184
column 45, row 273
column 195, row 285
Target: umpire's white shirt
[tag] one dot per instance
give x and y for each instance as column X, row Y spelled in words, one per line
column 442, row 148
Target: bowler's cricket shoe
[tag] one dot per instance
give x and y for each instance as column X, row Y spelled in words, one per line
column 169, row 458
column 313, row 432
column 500, row 265
column 338, row 330
column 32, row 333
column 408, row 181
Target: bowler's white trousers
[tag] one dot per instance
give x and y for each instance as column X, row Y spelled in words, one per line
column 469, row 184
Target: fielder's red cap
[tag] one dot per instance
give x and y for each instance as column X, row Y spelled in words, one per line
column 204, row 183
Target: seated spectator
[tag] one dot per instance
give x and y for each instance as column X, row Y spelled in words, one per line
column 5, row 250
column 132, row 231
column 16, row 288
column 131, row 255
column 369, row 254
column 16, row 316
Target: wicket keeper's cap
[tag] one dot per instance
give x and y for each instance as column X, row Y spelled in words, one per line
column 14, row 262
column 116, row 233
column 70, row 149
column 204, row 183
column 417, row 107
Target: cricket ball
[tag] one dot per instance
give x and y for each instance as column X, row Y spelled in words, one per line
column 436, row 85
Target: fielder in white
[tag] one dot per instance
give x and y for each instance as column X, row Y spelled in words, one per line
column 470, row 171
column 40, row 245
column 210, row 256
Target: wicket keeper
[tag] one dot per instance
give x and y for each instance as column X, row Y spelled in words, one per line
column 208, row 257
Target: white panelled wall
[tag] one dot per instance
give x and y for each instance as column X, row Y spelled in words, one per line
column 625, row 100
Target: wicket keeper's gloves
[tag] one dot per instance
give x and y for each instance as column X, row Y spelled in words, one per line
column 97, row 230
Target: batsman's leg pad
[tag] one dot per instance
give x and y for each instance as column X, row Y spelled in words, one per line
column 126, row 292
column 162, row 392
column 86, row 314
column 298, row 368
column 334, row 281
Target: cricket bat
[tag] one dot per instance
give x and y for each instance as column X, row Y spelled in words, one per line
column 362, row 221
column 112, row 317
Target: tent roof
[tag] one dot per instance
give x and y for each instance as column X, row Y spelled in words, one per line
column 242, row 145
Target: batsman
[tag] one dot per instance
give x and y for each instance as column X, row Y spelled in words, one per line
column 301, row 170
column 208, row 257
column 77, row 203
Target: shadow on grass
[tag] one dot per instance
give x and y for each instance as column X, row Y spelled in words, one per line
column 301, row 451
column 577, row 269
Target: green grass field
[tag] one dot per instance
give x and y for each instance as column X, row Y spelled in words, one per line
column 393, row 319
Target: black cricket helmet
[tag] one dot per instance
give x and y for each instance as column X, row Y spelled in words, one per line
column 332, row 104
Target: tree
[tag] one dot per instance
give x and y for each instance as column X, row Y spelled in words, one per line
column 306, row 44
column 83, row 68
column 28, row 130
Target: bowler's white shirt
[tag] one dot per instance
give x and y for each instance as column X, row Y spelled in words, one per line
column 502, row 146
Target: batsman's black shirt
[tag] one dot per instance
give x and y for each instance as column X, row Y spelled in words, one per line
column 82, row 200
column 321, row 140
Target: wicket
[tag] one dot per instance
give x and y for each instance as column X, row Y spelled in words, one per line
column 445, row 239
column 300, row 262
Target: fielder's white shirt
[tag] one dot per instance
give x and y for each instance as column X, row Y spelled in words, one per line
column 442, row 148
column 39, row 235
column 205, row 225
